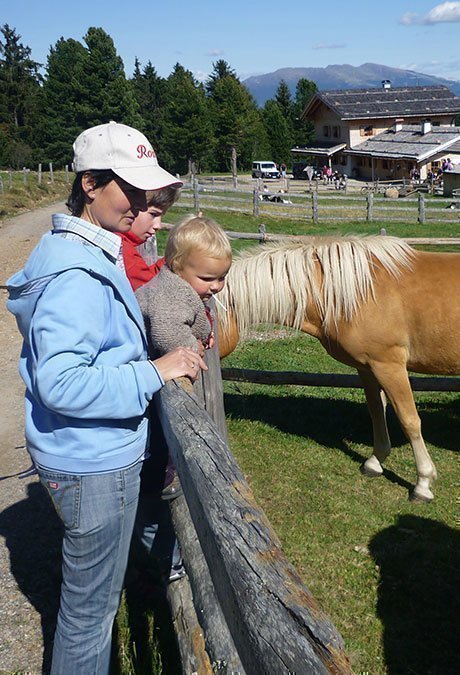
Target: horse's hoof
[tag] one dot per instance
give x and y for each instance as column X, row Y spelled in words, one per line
column 371, row 469
column 420, row 497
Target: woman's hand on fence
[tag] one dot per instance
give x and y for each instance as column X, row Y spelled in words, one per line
column 180, row 362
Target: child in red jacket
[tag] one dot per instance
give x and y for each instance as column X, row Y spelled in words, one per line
column 144, row 228
column 158, row 477
column 139, row 271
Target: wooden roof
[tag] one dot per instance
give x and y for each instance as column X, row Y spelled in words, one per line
column 377, row 103
column 408, row 143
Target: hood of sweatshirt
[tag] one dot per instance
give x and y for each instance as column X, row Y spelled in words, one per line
column 54, row 255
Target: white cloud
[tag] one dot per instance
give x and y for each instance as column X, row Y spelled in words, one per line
column 200, row 75
column 447, row 69
column 446, row 12
column 215, row 52
column 333, row 45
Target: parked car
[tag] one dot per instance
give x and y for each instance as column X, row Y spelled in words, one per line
column 265, row 170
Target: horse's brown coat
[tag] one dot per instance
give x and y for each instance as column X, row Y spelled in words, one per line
column 409, row 322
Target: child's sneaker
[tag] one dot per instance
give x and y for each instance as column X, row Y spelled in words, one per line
column 177, row 572
column 172, row 490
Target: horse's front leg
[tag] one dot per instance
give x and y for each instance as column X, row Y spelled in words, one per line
column 376, row 403
column 394, row 379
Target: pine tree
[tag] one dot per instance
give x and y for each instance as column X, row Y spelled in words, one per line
column 237, row 124
column 19, row 92
column 187, row 131
column 102, row 88
column 303, row 131
column 150, row 92
column 58, row 125
column 278, row 131
column 221, row 69
column 283, row 98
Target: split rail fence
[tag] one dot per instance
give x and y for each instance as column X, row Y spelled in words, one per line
column 325, row 205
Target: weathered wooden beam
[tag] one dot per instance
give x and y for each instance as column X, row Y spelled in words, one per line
column 330, row 379
column 217, row 639
column 275, row 622
column 189, row 633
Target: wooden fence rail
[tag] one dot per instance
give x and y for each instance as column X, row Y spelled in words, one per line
column 319, row 206
column 330, row 379
column 267, row 620
column 264, row 236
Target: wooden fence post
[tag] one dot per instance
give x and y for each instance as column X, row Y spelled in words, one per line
column 40, row 174
column 2, row 188
column 421, row 208
column 67, row 177
column 24, row 175
column 314, row 206
column 10, row 179
column 263, row 233
column 370, row 206
column 51, row 173
column 234, row 173
column 255, row 202
column 196, row 199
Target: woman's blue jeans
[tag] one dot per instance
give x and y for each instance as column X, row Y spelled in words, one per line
column 98, row 512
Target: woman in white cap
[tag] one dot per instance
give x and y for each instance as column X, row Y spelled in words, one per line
column 89, row 382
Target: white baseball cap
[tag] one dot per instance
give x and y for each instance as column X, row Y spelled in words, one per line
column 124, row 150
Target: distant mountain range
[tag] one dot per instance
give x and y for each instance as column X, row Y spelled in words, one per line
column 263, row 87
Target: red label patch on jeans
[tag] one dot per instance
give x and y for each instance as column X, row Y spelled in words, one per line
column 53, row 485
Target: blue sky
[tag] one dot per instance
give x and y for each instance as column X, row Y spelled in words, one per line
column 253, row 37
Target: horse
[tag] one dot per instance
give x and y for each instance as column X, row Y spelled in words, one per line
column 374, row 303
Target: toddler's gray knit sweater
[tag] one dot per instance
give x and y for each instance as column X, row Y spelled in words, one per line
column 174, row 313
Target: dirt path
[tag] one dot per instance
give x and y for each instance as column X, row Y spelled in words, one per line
column 28, row 528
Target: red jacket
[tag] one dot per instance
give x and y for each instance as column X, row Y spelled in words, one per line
column 137, row 270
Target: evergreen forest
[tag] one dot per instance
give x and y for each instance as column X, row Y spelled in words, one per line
column 43, row 107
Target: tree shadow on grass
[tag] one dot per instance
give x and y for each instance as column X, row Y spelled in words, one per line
column 33, row 536
column 333, row 423
column 419, row 595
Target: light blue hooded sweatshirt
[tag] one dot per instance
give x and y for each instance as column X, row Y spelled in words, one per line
column 83, row 361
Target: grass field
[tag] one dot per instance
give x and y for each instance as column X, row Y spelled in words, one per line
column 30, row 195
column 384, row 569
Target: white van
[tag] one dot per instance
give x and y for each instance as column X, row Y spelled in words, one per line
column 265, row 170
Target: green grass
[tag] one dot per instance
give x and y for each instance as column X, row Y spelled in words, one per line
column 384, row 569
column 30, row 195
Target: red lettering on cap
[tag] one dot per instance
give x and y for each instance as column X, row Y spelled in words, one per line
column 143, row 152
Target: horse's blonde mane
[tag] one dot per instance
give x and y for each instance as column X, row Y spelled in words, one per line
column 277, row 282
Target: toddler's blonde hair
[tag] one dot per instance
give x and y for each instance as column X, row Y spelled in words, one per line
column 196, row 233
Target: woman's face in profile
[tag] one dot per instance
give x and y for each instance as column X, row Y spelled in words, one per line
column 113, row 206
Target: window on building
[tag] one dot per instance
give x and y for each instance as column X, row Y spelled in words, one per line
column 367, row 130
column 336, row 132
column 326, row 131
